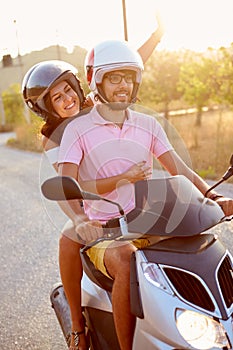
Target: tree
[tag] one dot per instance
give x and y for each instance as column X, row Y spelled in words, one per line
column 160, row 79
column 225, row 75
column 13, row 105
column 196, row 82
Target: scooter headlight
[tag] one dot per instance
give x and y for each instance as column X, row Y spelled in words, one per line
column 154, row 275
column 200, row 331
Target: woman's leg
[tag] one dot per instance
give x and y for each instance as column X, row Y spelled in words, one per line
column 71, row 275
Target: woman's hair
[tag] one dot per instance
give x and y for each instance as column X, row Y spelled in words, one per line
column 48, row 103
column 51, row 122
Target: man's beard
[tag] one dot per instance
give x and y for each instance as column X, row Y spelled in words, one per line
column 119, row 106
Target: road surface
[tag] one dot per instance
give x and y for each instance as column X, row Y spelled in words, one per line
column 28, row 255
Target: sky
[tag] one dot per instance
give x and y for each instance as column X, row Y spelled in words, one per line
column 27, row 25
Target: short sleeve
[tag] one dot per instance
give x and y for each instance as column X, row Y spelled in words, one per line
column 70, row 148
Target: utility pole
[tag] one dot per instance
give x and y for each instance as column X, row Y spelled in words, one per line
column 20, row 63
column 125, row 20
column 18, row 49
column 58, row 46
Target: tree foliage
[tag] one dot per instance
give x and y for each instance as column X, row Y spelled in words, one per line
column 198, row 82
column 160, row 79
column 198, row 79
column 224, row 88
column 13, row 105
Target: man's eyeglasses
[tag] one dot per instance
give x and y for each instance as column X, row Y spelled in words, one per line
column 115, row 78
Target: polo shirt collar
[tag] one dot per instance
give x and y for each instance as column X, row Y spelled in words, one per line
column 97, row 119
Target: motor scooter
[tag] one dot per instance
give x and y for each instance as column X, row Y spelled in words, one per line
column 181, row 285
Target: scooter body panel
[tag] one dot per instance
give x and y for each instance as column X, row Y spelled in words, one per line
column 159, row 307
column 93, row 296
column 191, row 265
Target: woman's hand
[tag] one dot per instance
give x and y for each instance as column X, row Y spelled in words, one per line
column 161, row 28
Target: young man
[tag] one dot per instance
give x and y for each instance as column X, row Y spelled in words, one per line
column 106, row 145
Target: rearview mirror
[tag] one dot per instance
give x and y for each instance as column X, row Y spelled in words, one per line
column 60, row 188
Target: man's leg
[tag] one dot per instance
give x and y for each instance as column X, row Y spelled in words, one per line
column 117, row 262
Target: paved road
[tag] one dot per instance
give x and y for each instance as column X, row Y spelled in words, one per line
column 28, row 252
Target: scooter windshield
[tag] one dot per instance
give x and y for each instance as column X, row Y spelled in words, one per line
column 172, row 206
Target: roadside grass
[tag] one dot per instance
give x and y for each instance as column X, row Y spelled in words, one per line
column 211, row 145
column 28, row 137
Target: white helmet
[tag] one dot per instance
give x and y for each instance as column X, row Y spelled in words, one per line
column 109, row 56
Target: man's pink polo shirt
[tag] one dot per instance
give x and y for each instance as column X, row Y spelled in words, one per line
column 101, row 150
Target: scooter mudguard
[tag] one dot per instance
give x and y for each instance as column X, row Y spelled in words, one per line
column 61, row 307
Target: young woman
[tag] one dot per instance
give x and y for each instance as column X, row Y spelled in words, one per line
column 52, row 90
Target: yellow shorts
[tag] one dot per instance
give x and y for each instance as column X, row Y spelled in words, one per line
column 96, row 253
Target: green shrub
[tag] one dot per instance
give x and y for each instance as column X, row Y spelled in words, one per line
column 207, row 173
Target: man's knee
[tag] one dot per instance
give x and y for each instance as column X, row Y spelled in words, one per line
column 117, row 258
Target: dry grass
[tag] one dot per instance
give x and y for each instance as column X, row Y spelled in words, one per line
column 27, row 138
column 211, row 145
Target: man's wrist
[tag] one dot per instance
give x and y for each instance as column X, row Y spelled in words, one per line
column 215, row 196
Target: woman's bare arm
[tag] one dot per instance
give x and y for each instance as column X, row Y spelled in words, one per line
column 151, row 43
column 135, row 173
